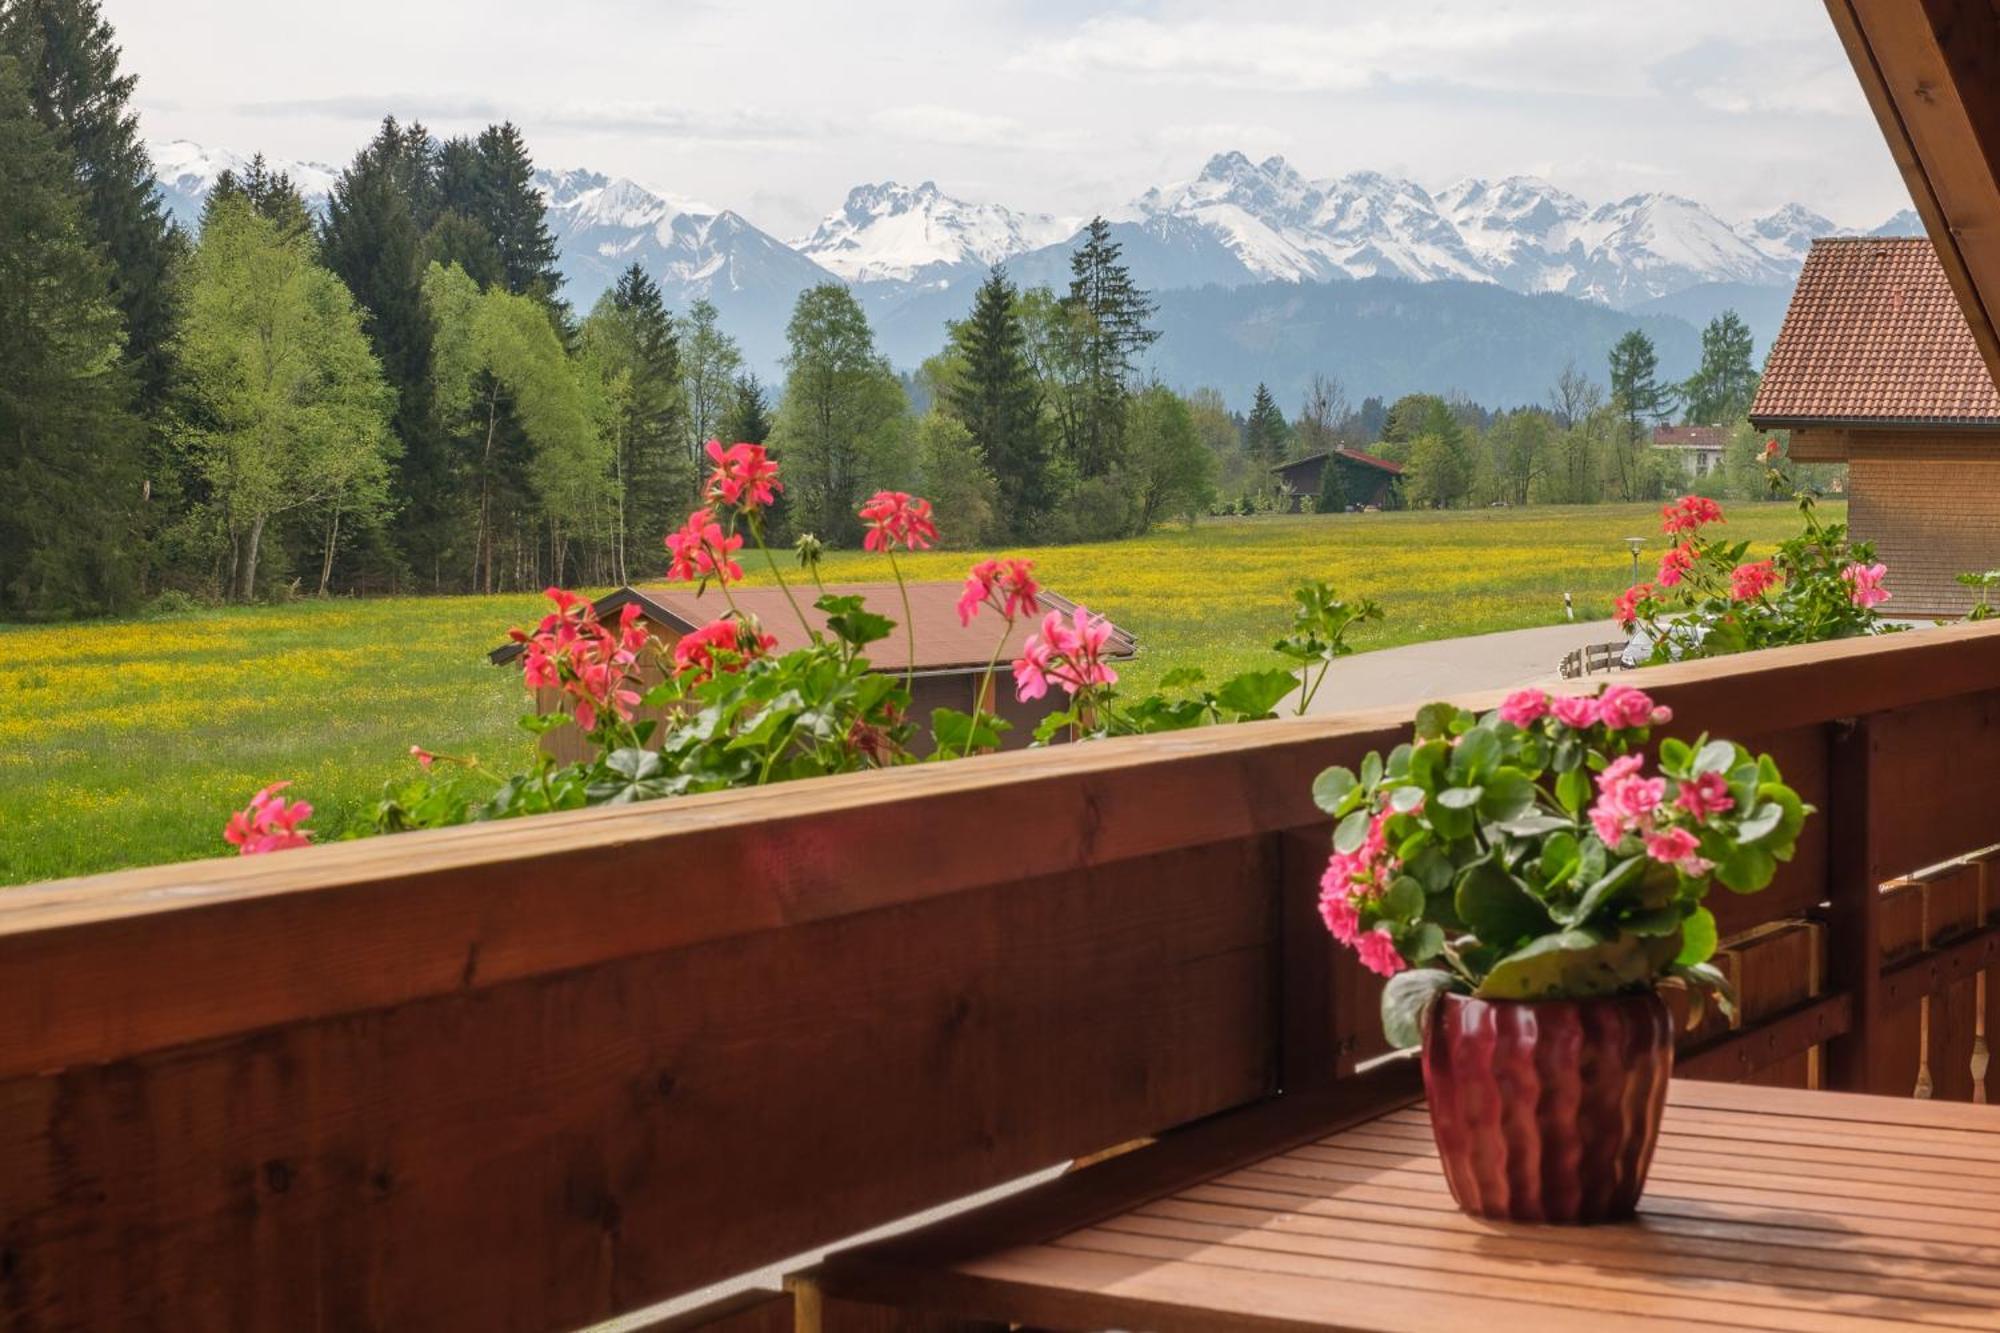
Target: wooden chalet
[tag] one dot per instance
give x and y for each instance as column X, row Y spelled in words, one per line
column 530, row 1076
column 1367, row 481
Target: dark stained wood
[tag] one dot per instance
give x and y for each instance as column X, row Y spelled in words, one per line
column 755, row 1311
column 1356, row 1230
column 1854, row 950
column 1774, row 1042
column 541, row 1154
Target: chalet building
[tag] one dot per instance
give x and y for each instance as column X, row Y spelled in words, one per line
column 1367, row 481
column 1699, row 448
column 951, row 658
column 1877, row 367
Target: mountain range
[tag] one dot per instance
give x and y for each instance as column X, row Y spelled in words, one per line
column 1258, row 235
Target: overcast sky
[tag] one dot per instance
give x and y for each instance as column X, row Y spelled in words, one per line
column 776, row 107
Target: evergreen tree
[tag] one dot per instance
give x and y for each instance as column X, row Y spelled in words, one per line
column 69, row 475
column 292, row 407
column 1265, row 433
column 1332, row 498
column 995, row 394
column 839, row 425
column 952, row 474
column 268, row 193
column 1110, row 317
column 1635, row 387
column 373, row 239
column 710, row 360
column 1719, row 393
column 630, row 340
column 749, row 415
column 69, row 60
column 511, row 209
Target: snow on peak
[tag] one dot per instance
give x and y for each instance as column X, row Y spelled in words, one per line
column 889, row 232
column 187, row 172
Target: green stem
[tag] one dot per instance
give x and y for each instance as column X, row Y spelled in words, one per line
column 909, row 623
column 757, row 535
column 986, row 687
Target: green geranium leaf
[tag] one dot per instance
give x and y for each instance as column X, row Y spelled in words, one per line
column 1331, row 787
column 1405, row 799
column 1605, row 890
column 1561, row 858
column 1434, row 720
column 1578, row 964
column 1698, row 938
column 1509, row 795
column 1349, row 834
column 1715, row 757
column 1498, row 908
column 1422, row 942
column 1371, row 770
column 1476, row 755
column 1254, row 694
column 1761, row 822
column 1675, row 756
column 1573, row 790
column 1403, row 900
column 1404, row 1000
column 1746, row 868
column 1459, row 798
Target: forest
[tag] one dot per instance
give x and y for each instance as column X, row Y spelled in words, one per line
column 392, row 395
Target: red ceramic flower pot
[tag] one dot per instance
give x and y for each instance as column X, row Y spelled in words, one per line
column 1547, row 1110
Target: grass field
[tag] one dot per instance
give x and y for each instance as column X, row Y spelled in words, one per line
column 128, row 743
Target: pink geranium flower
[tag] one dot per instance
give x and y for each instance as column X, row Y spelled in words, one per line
column 1675, row 564
column 1342, row 918
column 1865, row 584
column 1690, row 514
column 1378, row 953
column 269, row 823
column 744, row 475
column 1627, row 611
column 701, row 550
column 1623, row 708
column 719, row 647
column 573, row 651
column 896, row 518
column 1524, row 707
column 1575, row 710
column 1677, row 847
column 1705, row 794
column 1070, row 654
column 1752, row 579
column 1006, row 585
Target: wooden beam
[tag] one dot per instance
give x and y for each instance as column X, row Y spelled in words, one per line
column 1930, row 70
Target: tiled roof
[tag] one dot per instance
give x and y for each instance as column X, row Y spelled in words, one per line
column 1351, row 455
column 1875, row 335
column 943, row 644
column 1689, row 437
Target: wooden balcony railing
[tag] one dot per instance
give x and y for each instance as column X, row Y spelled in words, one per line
column 531, row 1075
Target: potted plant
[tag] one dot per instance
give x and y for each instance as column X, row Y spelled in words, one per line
column 1527, row 887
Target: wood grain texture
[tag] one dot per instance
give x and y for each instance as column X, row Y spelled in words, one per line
column 1356, row 1230
column 541, row 1154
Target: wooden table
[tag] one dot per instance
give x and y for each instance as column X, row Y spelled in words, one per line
column 1765, row 1209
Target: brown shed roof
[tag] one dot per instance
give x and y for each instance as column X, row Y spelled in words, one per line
column 1351, row 455
column 1689, row 437
column 942, row 643
column 1875, row 336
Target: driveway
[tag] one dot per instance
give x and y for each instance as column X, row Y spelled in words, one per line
column 1420, row 672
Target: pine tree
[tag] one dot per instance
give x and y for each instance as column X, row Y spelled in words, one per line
column 710, row 360
column 69, row 476
column 69, row 60
column 373, row 240
column 512, row 211
column 630, row 339
column 1110, row 315
column 1635, row 387
column 1719, row 393
column 749, row 415
column 1332, row 498
column 996, row 395
column 1265, row 433
column 270, row 194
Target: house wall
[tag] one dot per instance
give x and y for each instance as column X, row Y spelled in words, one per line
column 1929, row 501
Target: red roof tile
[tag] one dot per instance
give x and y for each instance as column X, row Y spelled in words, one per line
column 1875, row 335
column 1689, row 437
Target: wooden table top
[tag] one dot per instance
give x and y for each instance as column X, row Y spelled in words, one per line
column 1765, row 1209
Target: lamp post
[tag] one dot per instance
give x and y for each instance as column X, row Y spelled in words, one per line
column 1636, row 543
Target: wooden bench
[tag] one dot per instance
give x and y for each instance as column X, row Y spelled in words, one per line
column 1593, row 660
column 1767, row 1209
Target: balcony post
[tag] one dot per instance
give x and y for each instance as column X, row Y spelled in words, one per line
column 1854, row 900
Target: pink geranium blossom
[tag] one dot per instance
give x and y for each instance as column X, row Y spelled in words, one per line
column 896, row 518
column 1378, row 953
column 1524, row 707
column 1690, row 513
column 744, row 476
column 1627, row 611
column 1626, row 802
column 1006, row 585
column 701, row 550
column 1752, row 579
column 1069, row 654
column 269, row 823
column 1677, row 847
column 1705, row 794
column 719, row 647
column 573, row 651
column 1865, row 584
column 1575, row 710
column 1623, row 708
column 1675, row 564
column 1342, row 918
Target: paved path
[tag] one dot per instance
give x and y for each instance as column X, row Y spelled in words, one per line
column 1420, row 672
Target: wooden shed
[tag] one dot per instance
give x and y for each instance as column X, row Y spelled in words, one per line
column 950, row 657
column 1367, row 481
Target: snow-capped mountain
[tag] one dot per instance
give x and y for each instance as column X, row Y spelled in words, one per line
column 187, row 172
column 1904, row 223
column 893, row 233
